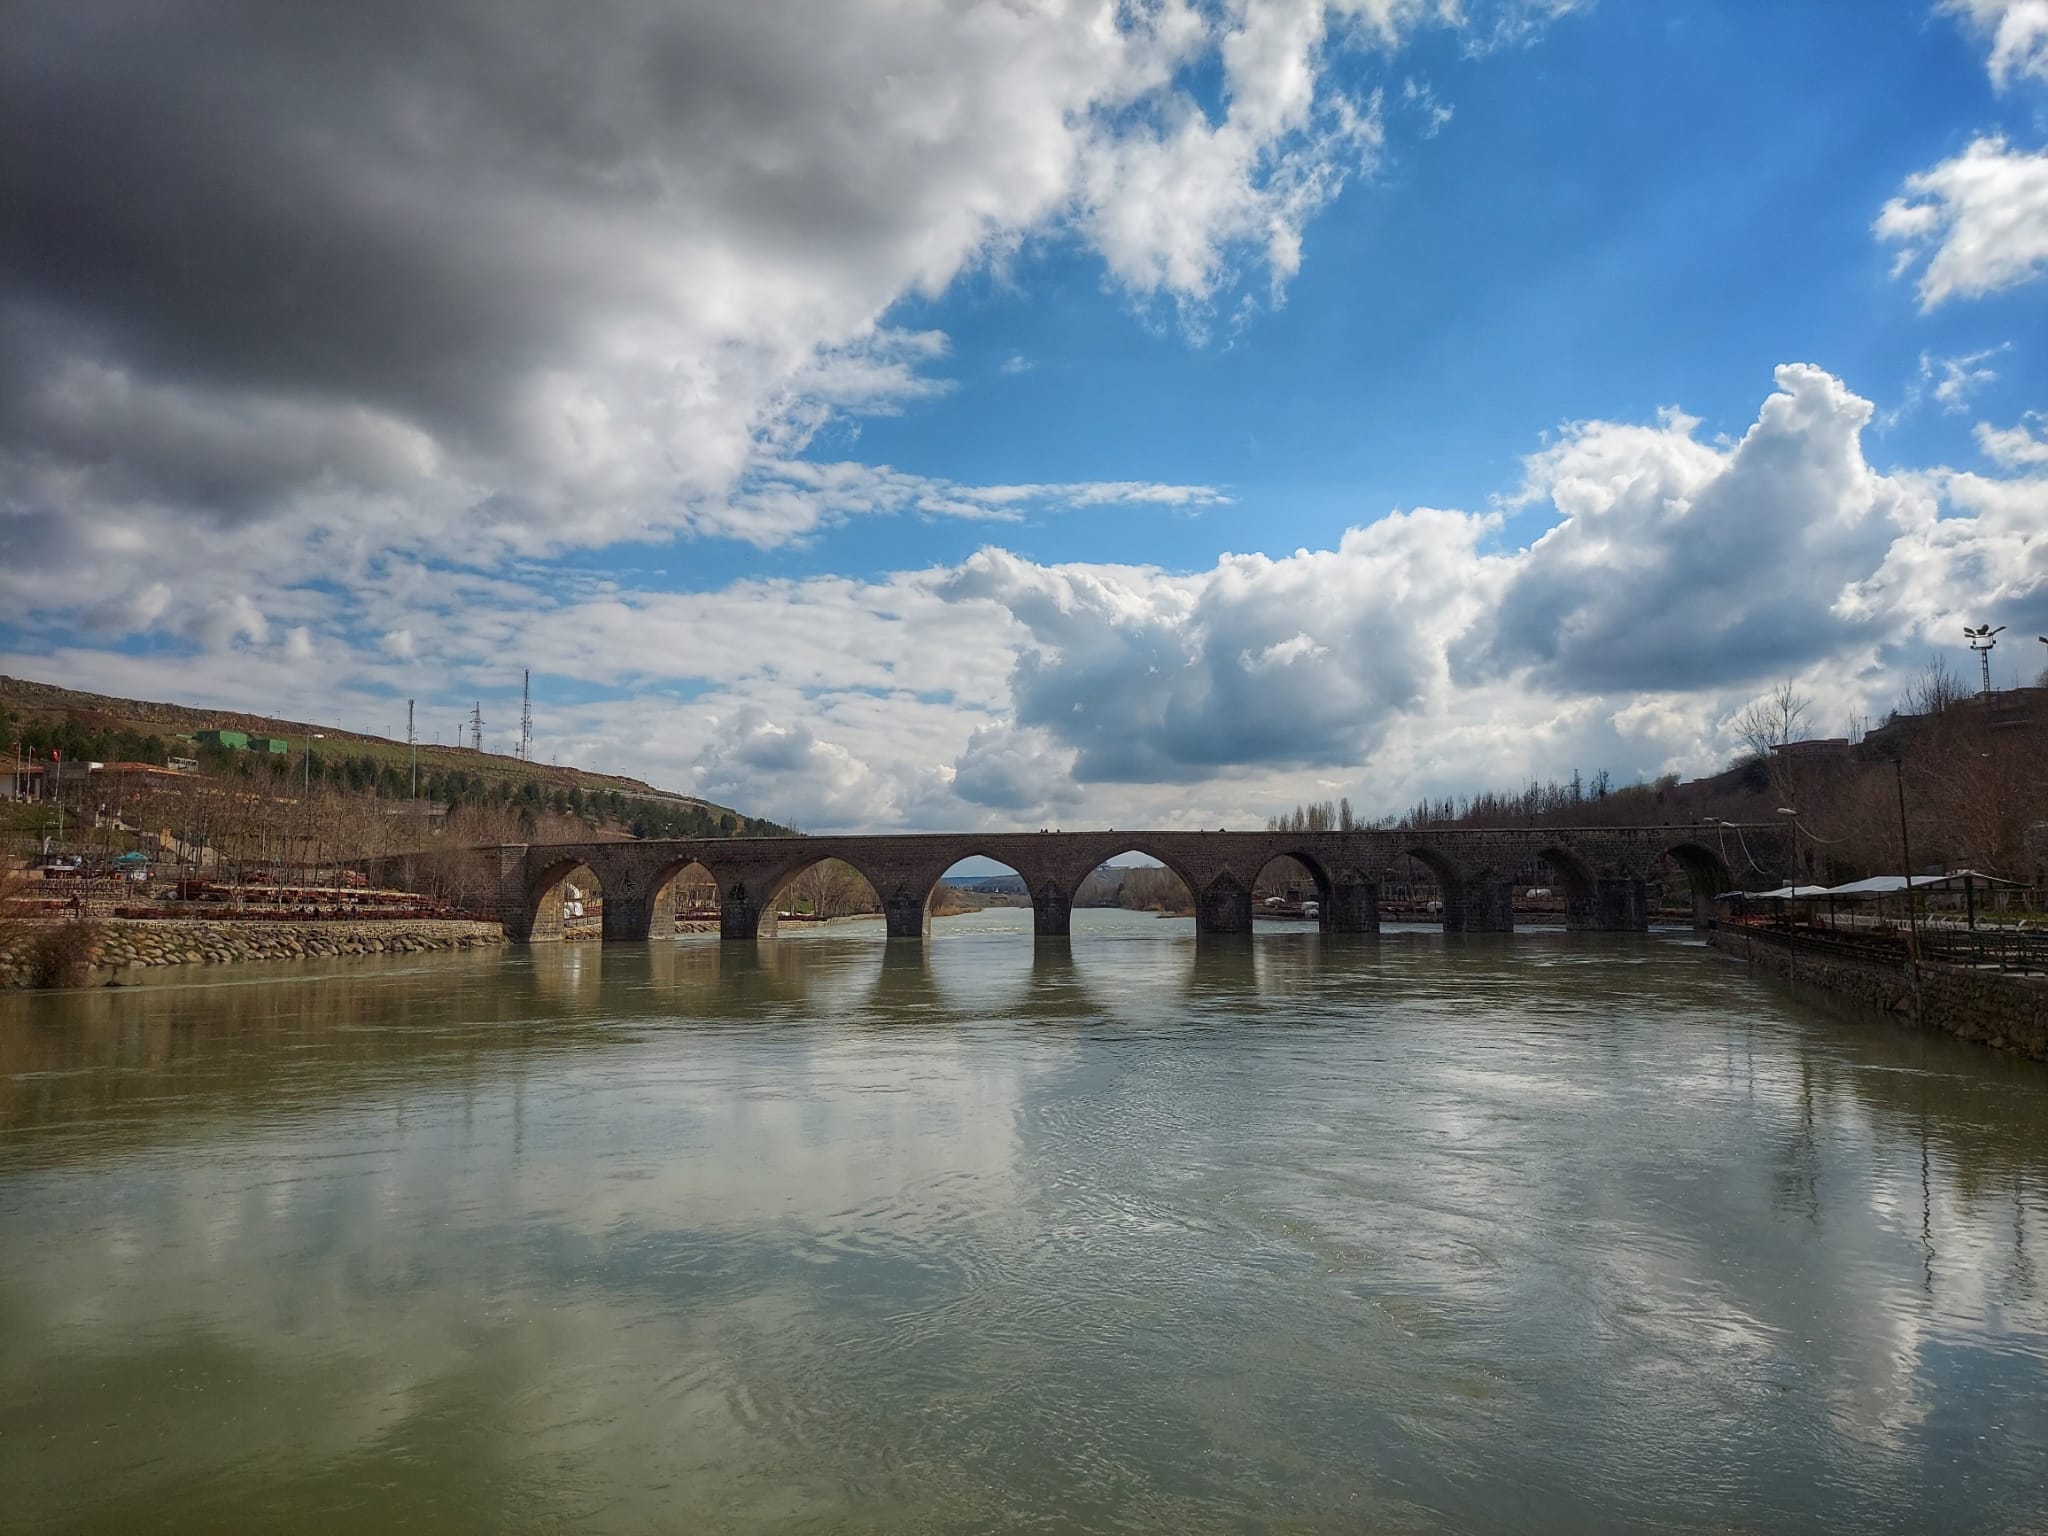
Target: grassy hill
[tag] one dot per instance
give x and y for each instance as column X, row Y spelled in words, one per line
column 107, row 728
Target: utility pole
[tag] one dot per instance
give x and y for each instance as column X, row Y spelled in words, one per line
column 1906, row 853
column 412, row 746
column 526, row 719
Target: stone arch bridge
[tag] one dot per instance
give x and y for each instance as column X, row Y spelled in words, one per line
column 1604, row 872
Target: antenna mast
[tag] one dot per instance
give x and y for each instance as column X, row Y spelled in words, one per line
column 526, row 719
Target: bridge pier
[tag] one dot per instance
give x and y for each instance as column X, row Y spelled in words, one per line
column 640, row 917
column 628, row 917
column 636, row 910
column 1485, row 904
column 1052, row 911
column 1352, row 905
column 1702, row 908
column 518, row 913
column 1613, row 904
column 1224, row 906
column 743, row 915
column 907, row 913
column 539, row 925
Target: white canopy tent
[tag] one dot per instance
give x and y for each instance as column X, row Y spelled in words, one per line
column 1967, row 880
column 1883, row 885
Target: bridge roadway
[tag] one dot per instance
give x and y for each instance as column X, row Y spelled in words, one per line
column 1604, row 872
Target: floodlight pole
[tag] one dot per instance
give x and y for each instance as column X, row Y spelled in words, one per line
column 1983, row 639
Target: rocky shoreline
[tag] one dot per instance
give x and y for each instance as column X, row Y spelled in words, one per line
column 122, row 948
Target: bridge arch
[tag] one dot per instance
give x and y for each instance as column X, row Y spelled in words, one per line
column 1274, row 882
column 825, row 886
column 1706, row 872
column 683, row 887
column 1115, row 847
column 563, row 898
column 1166, row 886
column 1476, row 895
column 1050, row 893
column 1450, row 883
column 1605, row 893
column 1569, row 868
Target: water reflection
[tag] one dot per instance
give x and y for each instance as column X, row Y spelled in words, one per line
column 1533, row 1233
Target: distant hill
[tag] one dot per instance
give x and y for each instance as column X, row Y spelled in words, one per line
column 93, row 715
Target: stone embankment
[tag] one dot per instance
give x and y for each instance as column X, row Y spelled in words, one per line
column 1996, row 1008
column 122, row 949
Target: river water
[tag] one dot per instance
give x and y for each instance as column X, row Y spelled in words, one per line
column 1538, row 1233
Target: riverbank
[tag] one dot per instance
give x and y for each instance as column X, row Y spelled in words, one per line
column 1986, row 1006
column 119, row 949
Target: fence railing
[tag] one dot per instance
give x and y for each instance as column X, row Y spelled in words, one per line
column 2002, row 948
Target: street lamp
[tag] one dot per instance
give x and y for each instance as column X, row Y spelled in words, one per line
column 1798, row 864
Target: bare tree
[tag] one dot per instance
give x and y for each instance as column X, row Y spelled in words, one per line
column 1769, row 725
column 1773, row 721
column 1934, row 689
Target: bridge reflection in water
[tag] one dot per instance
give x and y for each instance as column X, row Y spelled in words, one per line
column 1132, row 1231
column 1606, row 874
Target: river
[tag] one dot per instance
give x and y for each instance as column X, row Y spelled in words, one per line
column 1534, row 1233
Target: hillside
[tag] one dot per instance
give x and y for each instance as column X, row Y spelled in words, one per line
column 47, row 711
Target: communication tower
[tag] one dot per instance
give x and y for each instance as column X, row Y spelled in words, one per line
column 526, row 719
column 476, row 726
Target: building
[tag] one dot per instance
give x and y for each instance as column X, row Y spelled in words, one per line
column 21, row 781
column 276, row 746
column 227, row 741
column 1827, row 746
column 141, row 775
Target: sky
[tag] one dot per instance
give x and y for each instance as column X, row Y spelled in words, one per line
column 929, row 414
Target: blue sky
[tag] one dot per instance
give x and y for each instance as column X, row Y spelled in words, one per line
column 851, row 414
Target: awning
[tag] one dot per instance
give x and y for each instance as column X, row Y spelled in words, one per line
column 1783, row 893
column 1956, row 877
column 1884, row 885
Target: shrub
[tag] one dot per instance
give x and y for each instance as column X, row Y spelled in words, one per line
column 61, row 955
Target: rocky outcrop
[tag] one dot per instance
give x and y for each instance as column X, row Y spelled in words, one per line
column 121, row 950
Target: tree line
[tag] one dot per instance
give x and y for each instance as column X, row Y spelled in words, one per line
column 1957, row 775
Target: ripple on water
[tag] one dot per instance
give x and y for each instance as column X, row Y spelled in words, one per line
column 1538, row 1234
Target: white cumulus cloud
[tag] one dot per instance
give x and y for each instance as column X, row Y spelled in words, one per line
column 1978, row 221
column 2017, row 446
column 2018, row 30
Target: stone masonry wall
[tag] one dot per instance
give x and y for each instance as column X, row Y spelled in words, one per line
column 1604, row 868
column 126, row 946
column 1994, row 1008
